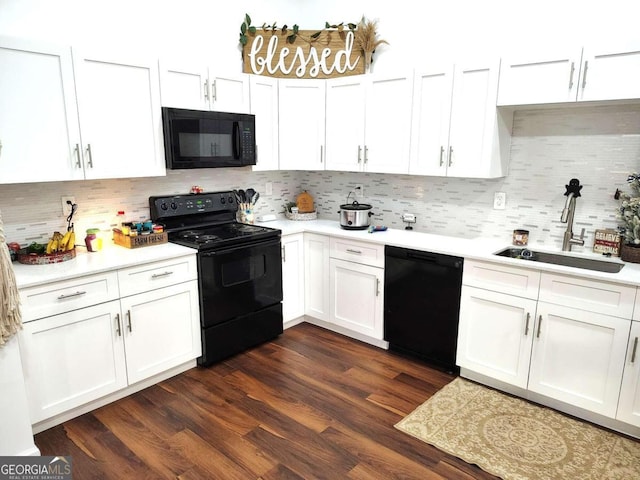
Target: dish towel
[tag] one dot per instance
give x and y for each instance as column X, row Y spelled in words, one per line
column 10, row 318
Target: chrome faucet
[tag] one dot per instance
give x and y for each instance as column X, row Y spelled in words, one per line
column 573, row 192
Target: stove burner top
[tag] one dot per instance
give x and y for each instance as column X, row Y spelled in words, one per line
column 210, row 236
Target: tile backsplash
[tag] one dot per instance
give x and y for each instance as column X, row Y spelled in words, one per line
column 600, row 145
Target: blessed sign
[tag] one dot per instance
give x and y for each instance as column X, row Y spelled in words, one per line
column 331, row 54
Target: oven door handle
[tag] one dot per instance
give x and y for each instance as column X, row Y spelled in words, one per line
column 236, row 248
column 237, row 146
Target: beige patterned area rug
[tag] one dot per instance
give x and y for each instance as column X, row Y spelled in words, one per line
column 517, row 440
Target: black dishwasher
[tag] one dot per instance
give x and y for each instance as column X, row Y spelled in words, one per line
column 422, row 304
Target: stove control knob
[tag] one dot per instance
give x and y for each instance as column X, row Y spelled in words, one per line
column 163, row 206
column 230, row 199
column 222, row 200
column 174, row 206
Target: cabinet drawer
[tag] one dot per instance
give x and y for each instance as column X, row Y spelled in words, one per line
column 593, row 296
column 501, row 278
column 68, row 295
column 150, row 276
column 355, row 251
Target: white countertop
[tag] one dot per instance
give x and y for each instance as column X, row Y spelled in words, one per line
column 109, row 258
column 474, row 248
column 115, row 257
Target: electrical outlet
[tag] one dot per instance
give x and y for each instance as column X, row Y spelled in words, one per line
column 268, row 188
column 66, row 208
column 499, row 200
column 359, row 189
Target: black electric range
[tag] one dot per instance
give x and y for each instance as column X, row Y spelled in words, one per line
column 239, row 270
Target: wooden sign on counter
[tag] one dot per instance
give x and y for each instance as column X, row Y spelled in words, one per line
column 332, row 54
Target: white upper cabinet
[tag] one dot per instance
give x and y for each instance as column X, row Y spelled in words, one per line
column 593, row 73
column 432, row 90
column 119, row 110
column 264, row 105
column 39, row 128
column 610, row 73
column 195, row 86
column 369, row 123
column 301, row 106
column 475, row 142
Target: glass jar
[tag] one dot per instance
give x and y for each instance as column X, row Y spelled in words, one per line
column 92, row 240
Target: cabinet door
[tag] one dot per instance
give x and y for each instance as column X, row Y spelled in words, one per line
column 345, row 123
column 119, row 109
column 39, row 133
column 432, row 89
column 473, row 120
column 264, row 105
column 316, row 276
column 72, row 358
column 629, row 405
column 161, row 329
column 610, row 73
column 541, row 77
column 388, row 124
column 578, row 357
column 229, row 93
column 356, row 297
column 292, row 276
column 184, row 85
column 301, row 110
column 495, row 334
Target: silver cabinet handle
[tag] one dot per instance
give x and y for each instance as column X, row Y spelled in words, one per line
column 366, row 154
column 573, row 69
column 78, row 159
column 635, row 349
column 450, row 156
column 539, row 325
column 441, row 155
column 90, row 161
column 321, row 153
column 214, row 91
column 160, row 275
column 584, row 77
column 0, row 147
column 377, row 287
column 284, row 254
column 526, row 325
column 118, row 326
column 206, row 89
column 359, row 154
column 129, row 321
column 71, row 295
column 357, row 252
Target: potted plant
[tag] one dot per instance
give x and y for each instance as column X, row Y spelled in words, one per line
column 629, row 216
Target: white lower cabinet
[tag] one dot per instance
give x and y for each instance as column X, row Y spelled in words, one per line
column 292, row 276
column 161, row 329
column 316, row 276
column 80, row 355
column 71, row 359
column 356, row 297
column 578, row 357
column 629, row 404
column 566, row 341
column 495, row 334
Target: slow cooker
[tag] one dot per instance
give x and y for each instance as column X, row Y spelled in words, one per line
column 355, row 216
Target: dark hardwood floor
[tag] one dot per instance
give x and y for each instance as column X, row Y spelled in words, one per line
column 311, row 404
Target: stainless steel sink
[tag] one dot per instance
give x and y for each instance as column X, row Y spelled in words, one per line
column 559, row 259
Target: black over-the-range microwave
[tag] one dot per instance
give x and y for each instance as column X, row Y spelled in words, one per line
column 203, row 139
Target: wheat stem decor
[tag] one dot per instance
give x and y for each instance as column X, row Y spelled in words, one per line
column 366, row 38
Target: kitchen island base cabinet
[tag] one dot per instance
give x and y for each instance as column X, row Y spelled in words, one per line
column 495, row 334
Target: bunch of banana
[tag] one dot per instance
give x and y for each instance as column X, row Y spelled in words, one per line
column 61, row 243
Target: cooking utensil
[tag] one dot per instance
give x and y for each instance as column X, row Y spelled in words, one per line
column 250, row 193
column 355, row 216
column 255, row 198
